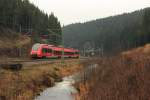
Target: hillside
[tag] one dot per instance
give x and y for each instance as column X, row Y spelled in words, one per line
column 113, row 34
column 11, row 42
column 122, row 77
column 11, row 39
column 25, row 17
column 22, row 22
column 144, row 50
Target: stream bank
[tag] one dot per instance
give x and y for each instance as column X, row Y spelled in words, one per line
column 66, row 89
column 61, row 91
column 27, row 83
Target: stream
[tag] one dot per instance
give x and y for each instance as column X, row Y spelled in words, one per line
column 64, row 90
column 61, row 91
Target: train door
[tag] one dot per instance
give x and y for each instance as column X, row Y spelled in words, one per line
column 44, row 52
column 49, row 53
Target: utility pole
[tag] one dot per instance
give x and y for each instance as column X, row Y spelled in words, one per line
column 102, row 50
column 62, row 58
column 19, row 46
column 20, row 28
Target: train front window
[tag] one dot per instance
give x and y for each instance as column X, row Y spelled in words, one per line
column 36, row 47
column 76, row 52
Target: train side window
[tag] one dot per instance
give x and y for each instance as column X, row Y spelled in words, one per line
column 76, row 52
column 54, row 52
column 58, row 52
column 49, row 50
column 69, row 53
column 65, row 53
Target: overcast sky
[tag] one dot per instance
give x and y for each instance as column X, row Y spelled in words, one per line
column 72, row 11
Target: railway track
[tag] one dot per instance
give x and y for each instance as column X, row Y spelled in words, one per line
column 18, row 64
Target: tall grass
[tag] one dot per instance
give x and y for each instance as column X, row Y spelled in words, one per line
column 123, row 77
column 27, row 83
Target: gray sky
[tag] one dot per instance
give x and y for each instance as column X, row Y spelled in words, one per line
column 72, row 11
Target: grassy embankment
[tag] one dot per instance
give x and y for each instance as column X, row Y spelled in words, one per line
column 30, row 81
column 13, row 44
column 123, row 77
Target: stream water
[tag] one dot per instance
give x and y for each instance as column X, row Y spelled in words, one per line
column 61, row 91
column 64, row 90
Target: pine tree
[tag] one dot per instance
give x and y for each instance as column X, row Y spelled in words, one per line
column 21, row 13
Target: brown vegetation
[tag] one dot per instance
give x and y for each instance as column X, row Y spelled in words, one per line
column 123, row 77
column 67, row 70
column 13, row 44
column 30, row 81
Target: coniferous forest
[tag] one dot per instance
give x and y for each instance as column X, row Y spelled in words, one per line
column 113, row 34
column 24, row 17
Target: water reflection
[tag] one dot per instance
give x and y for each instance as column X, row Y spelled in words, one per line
column 61, row 91
column 64, row 90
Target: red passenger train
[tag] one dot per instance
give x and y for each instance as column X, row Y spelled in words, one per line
column 51, row 51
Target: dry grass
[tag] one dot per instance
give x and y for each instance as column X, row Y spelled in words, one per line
column 145, row 50
column 30, row 81
column 11, row 43
column 124, row 77
column 11, row 39
column 66, row 70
